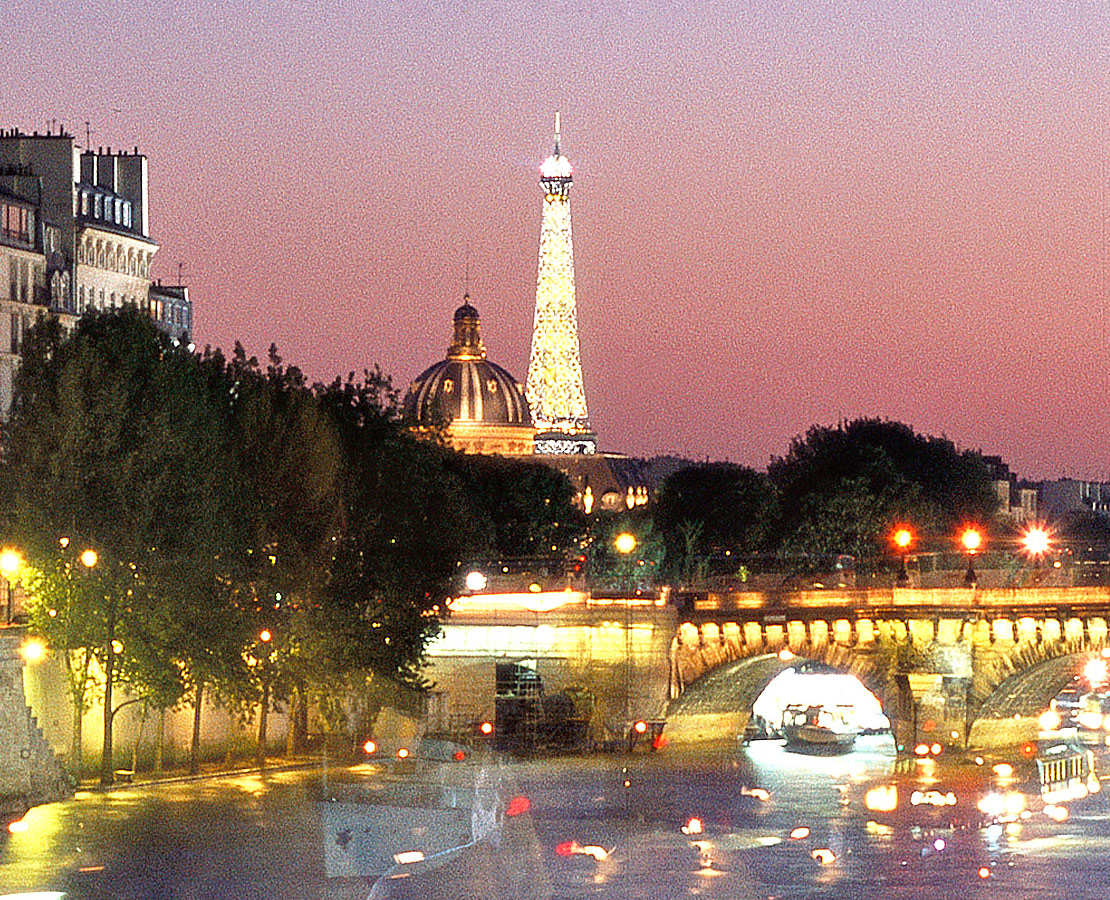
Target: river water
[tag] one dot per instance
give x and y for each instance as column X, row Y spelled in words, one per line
column 716, row 822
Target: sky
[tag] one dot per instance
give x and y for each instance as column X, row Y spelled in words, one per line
column 785, row 213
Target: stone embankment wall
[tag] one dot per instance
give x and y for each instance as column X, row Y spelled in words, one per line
column 30, row 773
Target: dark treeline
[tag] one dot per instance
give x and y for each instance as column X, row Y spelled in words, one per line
column 838, row 490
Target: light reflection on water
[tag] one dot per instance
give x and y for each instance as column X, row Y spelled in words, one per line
column 809, row 836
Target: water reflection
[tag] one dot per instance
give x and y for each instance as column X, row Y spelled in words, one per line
column 715, row 822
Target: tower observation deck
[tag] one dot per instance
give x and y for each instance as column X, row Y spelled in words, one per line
column 554, row 385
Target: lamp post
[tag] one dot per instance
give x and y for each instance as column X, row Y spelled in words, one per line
column 262, row 657
column 903, row 540
column 972, row 539
column 1036, row 542
column 10, row 564
column 625, row 543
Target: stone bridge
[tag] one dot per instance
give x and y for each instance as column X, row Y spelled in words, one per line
column 961, row 666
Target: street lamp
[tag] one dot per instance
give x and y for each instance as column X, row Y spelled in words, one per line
column 89, row 558
column 972, row 539
column 1036, row 542
column 10, row 564
column 903, row 540
column 625, row 543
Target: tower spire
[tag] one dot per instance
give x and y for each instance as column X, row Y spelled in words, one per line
column 554, row 386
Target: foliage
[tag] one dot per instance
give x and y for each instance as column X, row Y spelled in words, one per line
column 842, row 489
column 406, row 524
column 114, row 445
column 712, row 509
column 612, row 570
column 529, row 505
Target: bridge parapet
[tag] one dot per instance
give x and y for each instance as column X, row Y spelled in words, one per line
column 708, row 605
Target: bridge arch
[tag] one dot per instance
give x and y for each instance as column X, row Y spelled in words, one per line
column 944, row 672
column 720, row 703
column 1010, row 712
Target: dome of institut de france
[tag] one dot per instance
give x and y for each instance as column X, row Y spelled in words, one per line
column 482, row 405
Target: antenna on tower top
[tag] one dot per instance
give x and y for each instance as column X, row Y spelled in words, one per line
column 556, row 132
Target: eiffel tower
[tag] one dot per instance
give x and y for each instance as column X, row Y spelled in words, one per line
column 554, row 385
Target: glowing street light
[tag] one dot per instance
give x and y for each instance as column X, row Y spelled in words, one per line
column 903, row 540
column 972, row 539
column 625, row 543
column 1036, row 541
column 10, row 564
column 89, row 558
column 1096, row 671
column 33, row 650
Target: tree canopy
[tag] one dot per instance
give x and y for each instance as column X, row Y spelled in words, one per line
column 842, row 488
column 227, row 501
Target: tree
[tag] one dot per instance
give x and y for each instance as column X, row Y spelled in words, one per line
column 612, row 569
column 713, row 509
column 115, row 444
column 529, row 505
column 841, row 489
column 289, row 462
column 406, row 524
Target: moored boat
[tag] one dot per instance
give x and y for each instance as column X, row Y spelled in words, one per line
column 818, row 726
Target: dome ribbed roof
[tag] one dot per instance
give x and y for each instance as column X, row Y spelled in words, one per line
column 466, row 386
column 468, row 390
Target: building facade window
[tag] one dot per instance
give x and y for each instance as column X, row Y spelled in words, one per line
column 16, row 222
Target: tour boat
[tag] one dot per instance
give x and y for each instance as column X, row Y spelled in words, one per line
column 818, row 726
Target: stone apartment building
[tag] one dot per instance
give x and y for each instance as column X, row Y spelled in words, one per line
column 74, row 237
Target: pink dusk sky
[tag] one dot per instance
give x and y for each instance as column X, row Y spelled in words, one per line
column 785, row 213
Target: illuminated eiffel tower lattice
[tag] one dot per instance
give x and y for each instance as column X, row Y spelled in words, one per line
column 554, row 386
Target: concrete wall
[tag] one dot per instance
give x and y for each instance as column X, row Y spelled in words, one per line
column 29, row 771
column 47, row 694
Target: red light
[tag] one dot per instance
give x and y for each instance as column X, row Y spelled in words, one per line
column 1028, row 750
column 459, row 755
column 566, row 848
column 517, row 806
column 370, row 747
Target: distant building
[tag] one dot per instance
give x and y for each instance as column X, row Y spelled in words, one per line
column 35, row 277
column 480, row 405
column 1067, row 496
column 1017, row 500
column 172, row 309
column 75, row 238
